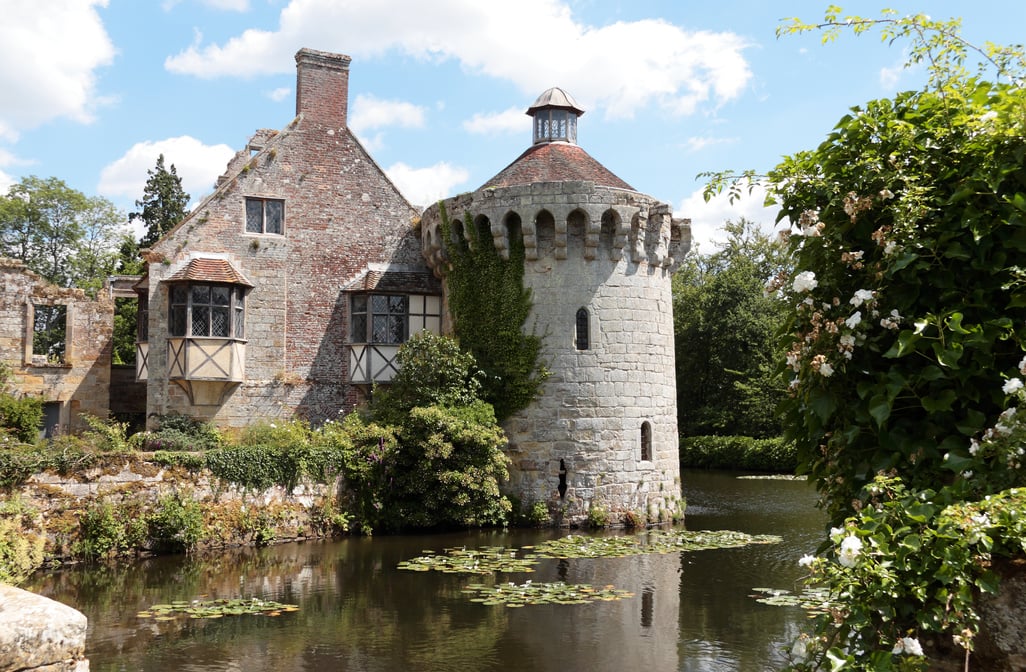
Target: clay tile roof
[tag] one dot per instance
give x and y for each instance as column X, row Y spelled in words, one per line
column 395, row 281
column 555, row 162
column 210, row 270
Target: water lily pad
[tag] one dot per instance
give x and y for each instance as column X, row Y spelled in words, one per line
column 215, row 609
column 525, row 594
column 486, row 560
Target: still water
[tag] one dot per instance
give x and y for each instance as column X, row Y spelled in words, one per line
column 692, row 611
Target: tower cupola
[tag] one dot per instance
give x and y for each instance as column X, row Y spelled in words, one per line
column 555, row 117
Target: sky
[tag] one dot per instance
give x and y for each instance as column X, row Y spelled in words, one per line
column 92, row 91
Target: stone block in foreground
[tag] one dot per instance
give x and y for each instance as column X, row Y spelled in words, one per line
column 39, row 634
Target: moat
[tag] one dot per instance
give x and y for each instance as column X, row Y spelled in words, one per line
column 691, row 611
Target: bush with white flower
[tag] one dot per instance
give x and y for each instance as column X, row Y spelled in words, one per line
column 906, row 332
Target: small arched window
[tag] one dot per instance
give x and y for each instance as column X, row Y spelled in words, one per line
column 582, row 340
column 646, row 441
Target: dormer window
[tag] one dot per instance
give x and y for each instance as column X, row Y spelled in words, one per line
column 555, row 117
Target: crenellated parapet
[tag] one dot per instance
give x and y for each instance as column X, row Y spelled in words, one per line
column 556, row 218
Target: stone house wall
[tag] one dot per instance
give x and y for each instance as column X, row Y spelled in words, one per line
column 80, row 382
column 341, row 214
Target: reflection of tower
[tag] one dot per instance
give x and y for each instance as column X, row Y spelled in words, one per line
column 637, row 633
column 598, row 261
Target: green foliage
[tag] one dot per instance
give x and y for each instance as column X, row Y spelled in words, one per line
column 490, row 307
column 257, row 467
column 738, row 452
column 442, row 469
column 108, row 530
column 21, row 416
column 61, row 234
column 434, row 371
column 598, row 518
column 905, row 336
column 907, row 564
column 163, row 204
column 21, row 541
column 182, row 432
column 725, row 337
column 126, row 312
column 106, row 435
column 176, row 524
column 63, row 454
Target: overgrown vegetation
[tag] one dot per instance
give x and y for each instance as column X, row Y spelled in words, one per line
column 725, row 328
column 738, row 452
column 905, row 346
column 490, row 308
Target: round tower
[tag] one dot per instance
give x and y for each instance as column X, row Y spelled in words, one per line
column 598, row 260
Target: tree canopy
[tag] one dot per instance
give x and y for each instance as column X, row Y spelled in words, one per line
column 60, row 233
column 163, row 203
column 725, row 329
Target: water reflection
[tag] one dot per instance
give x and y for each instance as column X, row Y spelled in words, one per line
column 691, row 611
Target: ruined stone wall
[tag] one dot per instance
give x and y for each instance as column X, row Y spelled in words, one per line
column 341, row 213
column 81, row 382
column 611, row 252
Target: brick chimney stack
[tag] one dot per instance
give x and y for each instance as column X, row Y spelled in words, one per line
column 322, row 86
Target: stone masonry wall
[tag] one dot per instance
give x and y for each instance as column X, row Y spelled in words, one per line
column 612, row 252
column 341, row 213
column 81, row 383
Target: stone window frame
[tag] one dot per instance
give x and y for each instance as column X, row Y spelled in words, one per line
column 31, row 357
column 582, row 329
column 646, row 441
column 183, row 300
column 254, row 227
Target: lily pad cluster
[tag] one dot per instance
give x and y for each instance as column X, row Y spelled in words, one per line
column 520, row 595
column 813, row 600
column 577, row 546
column 215, row 609
column 486, row 560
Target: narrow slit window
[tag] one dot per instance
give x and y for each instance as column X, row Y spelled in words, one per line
column 646, row 441
column 583, row 340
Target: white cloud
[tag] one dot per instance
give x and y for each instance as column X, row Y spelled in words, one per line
column 51, row 56
column 697, row 144
column 424, row 186
column 513, row 120
column 279, row 94
column 228, row 5
column 707, row 219
column 369, row 112
column 621, row 67
column 197, row 164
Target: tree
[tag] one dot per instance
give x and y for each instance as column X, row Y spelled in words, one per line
column 163, row 203
column 725, row 329
column 59, row 232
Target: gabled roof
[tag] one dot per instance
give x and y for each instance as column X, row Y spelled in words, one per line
column 555, row 162
column 210, row 270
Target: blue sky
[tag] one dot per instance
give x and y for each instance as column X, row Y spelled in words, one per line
column 91, row 91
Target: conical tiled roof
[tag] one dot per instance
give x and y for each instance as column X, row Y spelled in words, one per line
column 555, row 162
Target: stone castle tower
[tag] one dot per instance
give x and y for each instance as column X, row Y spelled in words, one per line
column 599, row 258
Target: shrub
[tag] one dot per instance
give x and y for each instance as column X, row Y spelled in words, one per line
column 176, row 524
column 257, row 467
column 21, row 416
column 738, row 452
column 598, row 518
column 181, row 432
column 106, row 530
column 106, row 435
column 21, row 541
